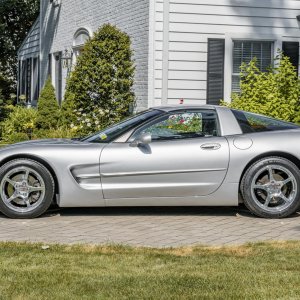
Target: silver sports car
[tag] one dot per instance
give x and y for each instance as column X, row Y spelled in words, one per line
column 165, row 156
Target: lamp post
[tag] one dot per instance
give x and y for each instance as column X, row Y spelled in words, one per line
column 55, row 3
column 67, row 60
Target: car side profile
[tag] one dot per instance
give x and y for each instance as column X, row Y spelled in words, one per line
column 184, row 155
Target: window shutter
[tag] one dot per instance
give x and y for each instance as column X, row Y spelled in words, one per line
column 50, row 65
column 291, row 49
column 58, row 76
column 215, row 71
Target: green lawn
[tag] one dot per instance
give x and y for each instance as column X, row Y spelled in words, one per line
column 253, row 271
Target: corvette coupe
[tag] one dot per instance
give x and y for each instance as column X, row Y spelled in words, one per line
column 183, row 155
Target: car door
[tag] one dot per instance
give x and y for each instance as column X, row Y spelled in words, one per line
column 186, row 157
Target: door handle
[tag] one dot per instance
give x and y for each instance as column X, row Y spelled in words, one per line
column 215, row 146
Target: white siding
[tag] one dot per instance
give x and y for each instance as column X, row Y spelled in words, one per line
column 190, row 23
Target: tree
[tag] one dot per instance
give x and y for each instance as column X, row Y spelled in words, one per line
column 68, row 109
column 102, row 81
column 16, row 19
column 48, row 108
column 5, row 107
column 275, row 93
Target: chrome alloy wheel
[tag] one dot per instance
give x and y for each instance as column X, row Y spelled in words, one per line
column 274, row 188
column 22, row 189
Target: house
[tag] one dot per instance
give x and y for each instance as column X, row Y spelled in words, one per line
column 184, row 49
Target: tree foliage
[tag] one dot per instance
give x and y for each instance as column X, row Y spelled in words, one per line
column 16, row 19
column 68, row 109
column 101, row 84
column 4, row 107
column 48, row 108
column 275, row 93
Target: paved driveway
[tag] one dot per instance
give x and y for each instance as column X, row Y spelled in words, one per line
column 156, row 227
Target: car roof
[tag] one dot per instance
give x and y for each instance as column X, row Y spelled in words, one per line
column 169, row 108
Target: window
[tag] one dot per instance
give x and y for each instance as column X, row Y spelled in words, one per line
column 245, row 51
column 23, row 77
column 111, row 133
column 80, row 38
column 182, row 125
column 250, row 123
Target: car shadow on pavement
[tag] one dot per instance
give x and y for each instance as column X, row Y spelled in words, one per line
column 157, row 211
column 240, row 211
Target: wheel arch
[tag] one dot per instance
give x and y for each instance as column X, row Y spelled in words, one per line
column 37, row 159
column 285, row 155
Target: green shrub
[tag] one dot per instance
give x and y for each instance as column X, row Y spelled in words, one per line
column 19, row 123
column 274, row 93
column 16, row 137
column 60, row 132
column 48, row 108
column 101, row 84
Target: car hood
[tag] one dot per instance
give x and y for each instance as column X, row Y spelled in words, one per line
column 44, row 142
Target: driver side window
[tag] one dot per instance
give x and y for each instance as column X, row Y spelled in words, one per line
column 182, row 125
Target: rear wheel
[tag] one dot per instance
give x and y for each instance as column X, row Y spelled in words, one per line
column 271, row 188
column 26, row 187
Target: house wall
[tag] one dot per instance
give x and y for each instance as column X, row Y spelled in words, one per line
column 182, row 30
column 132, row 16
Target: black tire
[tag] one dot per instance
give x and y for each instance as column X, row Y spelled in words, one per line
column 252, row 197
column 46, row 196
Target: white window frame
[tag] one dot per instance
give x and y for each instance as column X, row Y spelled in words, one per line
column 228, row 64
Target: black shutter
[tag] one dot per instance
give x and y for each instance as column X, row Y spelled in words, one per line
column 58, row 76
column 50, row 65
column 215, row 71
column 291, row 49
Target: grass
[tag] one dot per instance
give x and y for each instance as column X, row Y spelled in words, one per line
column 252, row 271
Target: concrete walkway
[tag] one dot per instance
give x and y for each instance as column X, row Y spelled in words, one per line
column 155, row 227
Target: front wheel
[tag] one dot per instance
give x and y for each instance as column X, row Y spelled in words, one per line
column 271, row 188
column 26, row 187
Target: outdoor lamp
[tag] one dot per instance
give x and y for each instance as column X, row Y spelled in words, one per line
column 67, row 59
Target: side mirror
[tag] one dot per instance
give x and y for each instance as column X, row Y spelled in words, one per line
column 143, row 139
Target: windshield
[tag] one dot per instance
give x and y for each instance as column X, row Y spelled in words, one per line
column 111, row 133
